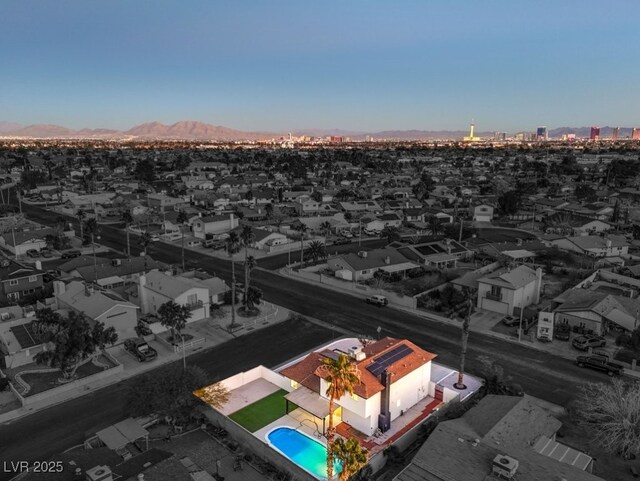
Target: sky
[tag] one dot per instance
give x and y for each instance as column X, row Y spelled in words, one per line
column 360, row 65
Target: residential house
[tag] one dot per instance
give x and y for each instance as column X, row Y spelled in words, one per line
column 111, row 273
column 482, row 212
column 165, row 202
column 18, row 342
column 441, row 253
column 156, row 288
column 263, row 238
column 18, row 280
column 505, row 292
column 594, row 246
column 310, row 207
column 208, row 225
column 384, row 220
column 98, row 305
column 501, row 437
column 19, row 242
column 362, row 266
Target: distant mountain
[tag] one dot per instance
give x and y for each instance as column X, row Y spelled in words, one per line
column 191, row 130
column 8, row 127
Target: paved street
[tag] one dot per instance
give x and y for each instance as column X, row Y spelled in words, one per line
column 540, row 374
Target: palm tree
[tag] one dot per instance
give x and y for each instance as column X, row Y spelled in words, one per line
column 434, row 225
column 182, row 219
column 268, row 210
column 325, row 228
column 246, row 238
column 342, row 376
column 302, row 229
column 391, row 233
column 352, row 456
column 143, row 242
column 316, row 250
column 81, row 216
column 233, row 243
column 91, row 228
column 249, row 264
column 127, row 218
column 466, row 322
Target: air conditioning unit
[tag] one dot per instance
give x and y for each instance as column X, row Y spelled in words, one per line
column 99, row 473
column 116, row 262
column 505, row 466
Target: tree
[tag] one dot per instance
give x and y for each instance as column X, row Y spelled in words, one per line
column 509, row 203
column 467, row 305
column 143, row 241
column 80, row 215
column 250, row 265
column 391, row 233
column 302, row 229
column 182, row 219
column 317, row 196
column 30, row 179
column 47, row 322
column 127, row 219
column 169, row 392
column 585, row 192
column 325, row 228
column 615, row 216
column 232, row 244
column 351, row 455
column 434, row 225
column 316, row 251
column 495, row 380
column 342, row 377
column 268, row 210
column 611, row 412
column 144, row 171
column 174, row 316
column 252, row 298
column 423, row 187
column 73, row 342
column 246, row 239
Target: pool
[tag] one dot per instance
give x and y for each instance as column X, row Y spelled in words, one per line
column 306, row 452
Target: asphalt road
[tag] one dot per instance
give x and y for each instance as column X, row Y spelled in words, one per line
column 548, row 377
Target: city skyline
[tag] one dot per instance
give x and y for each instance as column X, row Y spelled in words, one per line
column 358, row 67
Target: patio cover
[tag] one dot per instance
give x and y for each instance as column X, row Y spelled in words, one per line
column 310, row 401
column 120, row 434
column 110, row 281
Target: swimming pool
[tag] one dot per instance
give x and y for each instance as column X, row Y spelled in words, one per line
column 306, row 452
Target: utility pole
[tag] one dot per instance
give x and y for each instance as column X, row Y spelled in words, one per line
column 15, row 247
column 460, row 235
column 520, row 329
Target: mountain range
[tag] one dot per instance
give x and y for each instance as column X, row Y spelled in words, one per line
column 194, row 130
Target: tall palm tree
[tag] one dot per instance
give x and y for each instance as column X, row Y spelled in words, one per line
column 249, row 264
column 91, row 228
column 182, row 219
column 466, row 322
column 80, row 215
column 342, row 376
column 232, row 244
column 127, row 218
column 434, row 225
column 302, row 229
column 143, row 242
column 351, row 455
column 316, row 251
column 325, row 228
column 246, row 239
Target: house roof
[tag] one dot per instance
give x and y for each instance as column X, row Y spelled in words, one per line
column 374, row 259
column 93, row 304
column 513, row 279
column 15, row 270
column 307, row 372
column 586, row 242
column 21, row 237
column 171, row 286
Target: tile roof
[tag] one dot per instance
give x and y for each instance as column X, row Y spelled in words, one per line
column 93, row 304
column 514, row 279
column 596, row 242
column 171, row 286
column 374, row 259
column 20, row 237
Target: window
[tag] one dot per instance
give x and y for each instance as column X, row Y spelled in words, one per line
column 13, row 282
column 192, row 298
column 496, row 292
column 33, row 278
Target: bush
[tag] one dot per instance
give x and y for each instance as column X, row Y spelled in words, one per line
column 4, row 384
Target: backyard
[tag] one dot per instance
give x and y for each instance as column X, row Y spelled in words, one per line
column 257, row 415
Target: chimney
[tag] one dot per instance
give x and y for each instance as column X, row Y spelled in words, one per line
column 58, row 288
column 536, row 298
column 384, row 418
column 387, row 260
column 141, row 477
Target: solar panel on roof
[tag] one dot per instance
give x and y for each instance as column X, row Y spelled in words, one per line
column 24, row 337
column 388, row 358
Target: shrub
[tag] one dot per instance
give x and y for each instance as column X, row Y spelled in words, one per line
column 4, row 384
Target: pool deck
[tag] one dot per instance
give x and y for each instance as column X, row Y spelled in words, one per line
column 296, row 419
column 248, row 394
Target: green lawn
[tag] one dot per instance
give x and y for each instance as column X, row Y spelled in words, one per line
column 257, row 415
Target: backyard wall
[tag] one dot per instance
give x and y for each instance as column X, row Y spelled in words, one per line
column 256, row 446
column 30, row 400
column 242, row 378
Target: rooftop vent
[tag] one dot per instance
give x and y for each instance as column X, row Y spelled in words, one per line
column 99, row 473
column 504, row 466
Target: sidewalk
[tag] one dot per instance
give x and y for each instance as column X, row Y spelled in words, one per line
column 481, row 322
column 211, row 329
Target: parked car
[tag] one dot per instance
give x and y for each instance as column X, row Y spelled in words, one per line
column 347, row 234
column 194, row 243
column 600, row 363
column 342, row 241
column 33, row 253
column 155, row 238
column 379, row 301
column 71, row 254
column 510, row 321
column 562, row 332
column 588, row 340
column 140, row 349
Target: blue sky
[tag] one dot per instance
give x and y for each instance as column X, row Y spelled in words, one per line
column 360, row 65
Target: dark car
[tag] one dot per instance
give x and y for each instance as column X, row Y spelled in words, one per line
column 33, row 253
column 562, row 332
column 46, row 253
column 71, row 254
column 585, row 342
column 140, row 349
column 510, row 321
column 341, row 241
column 600, row 363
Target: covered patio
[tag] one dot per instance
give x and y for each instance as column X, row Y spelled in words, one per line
column 310, row 402
column 118, row 436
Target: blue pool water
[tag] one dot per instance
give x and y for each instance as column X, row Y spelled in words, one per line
column 306, row 452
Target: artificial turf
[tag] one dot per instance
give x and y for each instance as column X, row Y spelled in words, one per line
column 257, row 415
